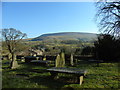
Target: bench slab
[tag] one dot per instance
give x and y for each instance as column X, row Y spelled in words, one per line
column 78, row 72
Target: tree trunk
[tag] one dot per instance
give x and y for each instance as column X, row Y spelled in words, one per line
column 14, row 63
column 13, row 57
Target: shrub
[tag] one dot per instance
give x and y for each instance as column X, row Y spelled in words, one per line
column 107, row 48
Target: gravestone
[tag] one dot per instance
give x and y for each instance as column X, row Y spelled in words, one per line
column 60, row 60
column 71, row 60
column 14, row 63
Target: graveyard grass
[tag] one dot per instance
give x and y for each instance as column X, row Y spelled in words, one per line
column 32, row 76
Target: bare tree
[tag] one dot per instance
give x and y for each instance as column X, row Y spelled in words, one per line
column 12, row 38
column 108, row 16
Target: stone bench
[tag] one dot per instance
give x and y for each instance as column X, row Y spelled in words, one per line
column 77, row 72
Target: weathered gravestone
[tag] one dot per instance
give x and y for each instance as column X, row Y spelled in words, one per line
column 60, row 60
column 14, row 63
column 71, row 60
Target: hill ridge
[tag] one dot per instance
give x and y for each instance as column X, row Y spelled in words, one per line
column 66, row 36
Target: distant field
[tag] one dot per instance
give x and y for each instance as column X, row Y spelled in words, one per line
column 31, row 76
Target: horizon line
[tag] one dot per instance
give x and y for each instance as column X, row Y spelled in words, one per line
column 63, row 32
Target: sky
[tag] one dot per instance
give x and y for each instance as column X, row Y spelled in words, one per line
column 37, row 18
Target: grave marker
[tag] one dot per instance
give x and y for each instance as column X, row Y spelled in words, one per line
column 60, row 60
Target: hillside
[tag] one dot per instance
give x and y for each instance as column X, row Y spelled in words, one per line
column 66, row 36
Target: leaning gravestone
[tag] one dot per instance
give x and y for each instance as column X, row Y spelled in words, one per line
column 60, row 60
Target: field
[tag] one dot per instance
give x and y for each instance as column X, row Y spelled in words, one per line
column 33, row 76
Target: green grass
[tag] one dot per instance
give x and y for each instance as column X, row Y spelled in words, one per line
column 31, row 76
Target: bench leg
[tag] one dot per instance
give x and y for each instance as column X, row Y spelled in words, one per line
column 80, row 79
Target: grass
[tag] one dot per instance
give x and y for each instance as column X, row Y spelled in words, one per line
column 34, row 76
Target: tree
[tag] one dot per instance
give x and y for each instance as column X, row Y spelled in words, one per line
column 107, row 48
column 12, row 38
column 108, row 16
column 87, row 50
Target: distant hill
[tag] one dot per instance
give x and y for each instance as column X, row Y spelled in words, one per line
column 28, row 39
column 66, row 36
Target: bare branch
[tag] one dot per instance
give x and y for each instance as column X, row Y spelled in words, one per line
column 108, row 17
column 12, row 37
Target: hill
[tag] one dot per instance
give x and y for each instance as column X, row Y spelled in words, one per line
column 66, row 36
